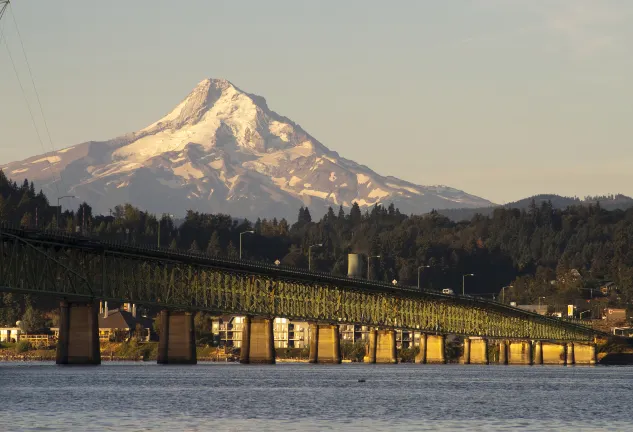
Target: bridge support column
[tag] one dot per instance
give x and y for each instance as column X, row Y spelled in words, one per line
column 435, row 349
column 325, row 343
column 314, row 343
column 466, row 355
column 386, row 347
column 554, row 353
column 421, row 356
column 78, row 342
column 371, row 348
column 503, row 352
column 538, row 353
column 258, row 341
column 571, row 358
column 177, row 339
column 585, row 354
column 478, row 351
column 520, row 353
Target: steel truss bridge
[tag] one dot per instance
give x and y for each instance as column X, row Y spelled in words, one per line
column 74, row 267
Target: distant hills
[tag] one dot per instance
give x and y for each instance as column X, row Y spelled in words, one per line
column 608, row 202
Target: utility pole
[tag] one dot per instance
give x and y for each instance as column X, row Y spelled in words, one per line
column 464, row 282
column 241, row 234
column 420, row 268
column 369, row 261
column 310, row 254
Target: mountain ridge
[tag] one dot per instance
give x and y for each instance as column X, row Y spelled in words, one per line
column 608, row 202
column 222, row 149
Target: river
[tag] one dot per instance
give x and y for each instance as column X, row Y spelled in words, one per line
column 303, row 397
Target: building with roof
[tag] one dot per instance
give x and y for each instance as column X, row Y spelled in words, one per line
column 124, row 323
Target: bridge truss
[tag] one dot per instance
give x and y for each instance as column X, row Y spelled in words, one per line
column 72, row 267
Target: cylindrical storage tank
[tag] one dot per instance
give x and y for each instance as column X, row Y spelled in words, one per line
column 354, row 266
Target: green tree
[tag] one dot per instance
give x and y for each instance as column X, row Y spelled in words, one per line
column 32, row 320
column 214, row 248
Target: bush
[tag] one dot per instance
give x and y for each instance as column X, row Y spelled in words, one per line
column 22, row 346
column 407, row 355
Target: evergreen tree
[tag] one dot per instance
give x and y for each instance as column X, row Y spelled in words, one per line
column 194, row 247
column 355, row 215
column 231, row 251
column 214, row 248
column 341, row 213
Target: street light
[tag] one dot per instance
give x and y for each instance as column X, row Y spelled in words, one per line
column 369, row 261
column 420, row 268
column 59, row 209
column 503, row 292
column 464, row 282
column 241, row 234
column 539, row 303
column 310, row 254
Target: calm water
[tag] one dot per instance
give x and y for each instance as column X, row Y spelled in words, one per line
column 304, row 397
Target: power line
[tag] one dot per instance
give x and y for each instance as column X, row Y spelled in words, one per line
column 37, row 95
column 28, row 106
column 5, row 4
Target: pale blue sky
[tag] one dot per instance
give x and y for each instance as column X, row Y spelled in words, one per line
column 501, row 98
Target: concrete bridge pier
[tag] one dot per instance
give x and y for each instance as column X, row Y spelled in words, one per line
column 571, row 358
column 503, row 352
column 325, row 344
column 538, row 353
column 78, row 342
column 520, row 353
column 421, row 356
column 177, row 339
column 585, row 354
column 475, row 351
column 371, row 347
column 554, row 353
column 435, row 350
column 386, row 347
column 466, row 355
column 382, row 347
column 258, row 341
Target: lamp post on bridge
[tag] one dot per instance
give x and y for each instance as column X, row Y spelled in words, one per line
column 241, row 234
column 464, row 282
column 59, row 209
column 420, row 268
column 539, row 304
column 369, row 257
column 310, row 254
column 503, row 292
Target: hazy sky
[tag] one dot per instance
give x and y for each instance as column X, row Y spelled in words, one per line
column 501, row 98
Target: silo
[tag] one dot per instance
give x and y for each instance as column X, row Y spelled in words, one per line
column 354, row 266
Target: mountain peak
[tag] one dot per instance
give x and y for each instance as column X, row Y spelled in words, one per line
column 223, row 150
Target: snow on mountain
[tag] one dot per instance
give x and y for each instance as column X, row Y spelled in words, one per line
column 224, row 150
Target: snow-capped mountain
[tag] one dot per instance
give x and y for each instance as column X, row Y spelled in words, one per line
column 223, row 150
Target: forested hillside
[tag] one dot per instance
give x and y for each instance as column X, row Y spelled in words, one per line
column 541, row 251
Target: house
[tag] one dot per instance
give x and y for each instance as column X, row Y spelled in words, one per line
column 608, row 287
column 228, row 330
column 614, row 315
column 10, row 334
column 122, row 324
